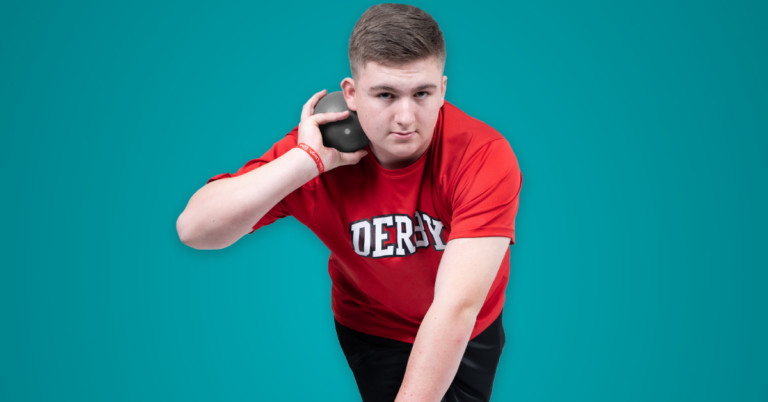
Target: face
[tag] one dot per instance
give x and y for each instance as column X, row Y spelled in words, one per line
column 398, row 107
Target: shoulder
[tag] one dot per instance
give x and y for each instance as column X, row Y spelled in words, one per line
column 462, row 137
column 477, row 175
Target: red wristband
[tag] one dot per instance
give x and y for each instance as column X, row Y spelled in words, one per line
column 314, row 155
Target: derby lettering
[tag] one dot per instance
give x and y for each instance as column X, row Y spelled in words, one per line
column 396, row 235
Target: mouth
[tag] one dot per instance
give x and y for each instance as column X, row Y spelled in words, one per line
column 403, row 134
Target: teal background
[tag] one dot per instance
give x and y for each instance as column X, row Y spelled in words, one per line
column 639, row 272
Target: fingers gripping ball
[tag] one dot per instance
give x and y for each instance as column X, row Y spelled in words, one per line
column 345, row 135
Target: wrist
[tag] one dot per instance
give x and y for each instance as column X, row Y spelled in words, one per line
column 301, row 164
column 314, row 155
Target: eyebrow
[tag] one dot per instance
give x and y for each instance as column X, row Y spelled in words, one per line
column 392, row 89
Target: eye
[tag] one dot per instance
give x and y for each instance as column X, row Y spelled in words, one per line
column 421, row 94
column 385, row 96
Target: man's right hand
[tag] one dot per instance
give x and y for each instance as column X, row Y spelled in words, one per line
column 309, row 133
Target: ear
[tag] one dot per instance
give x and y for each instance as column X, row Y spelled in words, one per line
column 445, row 83
column 348, row 89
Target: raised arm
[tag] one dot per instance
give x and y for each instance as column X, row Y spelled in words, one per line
column 466, row 273
column 223, row 211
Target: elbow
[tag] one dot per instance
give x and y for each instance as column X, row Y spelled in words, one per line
column 462, row 304
column 462, row 317
column 468, row 308
column 184, row 230
column 460, row 308
column 190, row 235
column 194, row 233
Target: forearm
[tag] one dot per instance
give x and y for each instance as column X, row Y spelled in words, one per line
column 223, row 211
column 437, row 352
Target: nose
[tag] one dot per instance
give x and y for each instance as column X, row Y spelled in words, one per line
column 405, row 113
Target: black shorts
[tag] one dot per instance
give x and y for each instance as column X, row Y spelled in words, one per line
column 378, row 364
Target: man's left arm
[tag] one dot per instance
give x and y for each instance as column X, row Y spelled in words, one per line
column 466, row 273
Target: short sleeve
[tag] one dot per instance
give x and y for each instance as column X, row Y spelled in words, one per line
column 485, row 196
column 299, row 203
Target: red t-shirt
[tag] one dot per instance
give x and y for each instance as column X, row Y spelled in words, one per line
column 387, row 229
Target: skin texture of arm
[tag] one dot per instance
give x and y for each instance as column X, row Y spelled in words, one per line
column 223, row 211
column 466, row 273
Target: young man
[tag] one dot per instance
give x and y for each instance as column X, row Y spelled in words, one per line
column 418, row 224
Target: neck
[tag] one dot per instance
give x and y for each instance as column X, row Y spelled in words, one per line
column 393, row 162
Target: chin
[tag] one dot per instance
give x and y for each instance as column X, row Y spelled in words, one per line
column 405, row 152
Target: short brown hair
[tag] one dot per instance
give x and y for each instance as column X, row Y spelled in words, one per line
column 394, row 34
